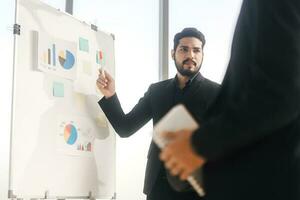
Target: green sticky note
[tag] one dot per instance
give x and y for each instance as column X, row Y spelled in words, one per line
column 58, row 89
column 83, row 44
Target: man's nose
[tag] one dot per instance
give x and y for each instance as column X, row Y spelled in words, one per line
column 190, row 54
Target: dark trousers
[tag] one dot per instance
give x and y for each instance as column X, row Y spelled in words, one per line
column 163, row 191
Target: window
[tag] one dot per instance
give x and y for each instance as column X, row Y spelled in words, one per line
column 216, row 20
column 7, row 10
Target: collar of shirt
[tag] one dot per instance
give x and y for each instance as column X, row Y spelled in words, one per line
column 197, row 76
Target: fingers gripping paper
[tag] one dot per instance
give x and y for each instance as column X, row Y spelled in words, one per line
column 178, row 118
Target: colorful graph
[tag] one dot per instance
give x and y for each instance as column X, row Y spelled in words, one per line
column 85, row 147
column 66, row 59
column 70, row 134
column 49, row 57
column 100, row 57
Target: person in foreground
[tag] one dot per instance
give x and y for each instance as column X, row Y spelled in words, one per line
column 189, row 87
column 248, row 143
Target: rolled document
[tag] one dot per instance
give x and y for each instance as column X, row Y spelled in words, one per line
column 178, row 118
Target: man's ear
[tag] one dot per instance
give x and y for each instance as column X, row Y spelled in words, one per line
column 173, row 54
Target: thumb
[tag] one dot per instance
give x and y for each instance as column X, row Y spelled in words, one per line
column 167, row 135
column 108, row 76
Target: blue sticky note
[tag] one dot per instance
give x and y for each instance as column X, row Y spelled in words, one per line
column 58, row 89
column 83, row 44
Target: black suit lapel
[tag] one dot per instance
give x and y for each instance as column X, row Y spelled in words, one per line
column 165, row 99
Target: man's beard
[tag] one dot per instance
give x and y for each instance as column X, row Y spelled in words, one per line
column 187, row 72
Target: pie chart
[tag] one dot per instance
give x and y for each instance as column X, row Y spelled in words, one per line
column 66, row 59
column 70, row 134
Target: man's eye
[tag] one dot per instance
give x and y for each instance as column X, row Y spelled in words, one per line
column 184, row 49
column 197, row 50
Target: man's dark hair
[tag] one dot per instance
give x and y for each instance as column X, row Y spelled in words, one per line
column 188, row 32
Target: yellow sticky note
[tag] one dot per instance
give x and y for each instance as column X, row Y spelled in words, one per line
column 101, row 120
column 87, row 67
column 79, row 99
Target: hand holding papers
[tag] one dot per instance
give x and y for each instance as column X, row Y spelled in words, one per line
column 177, row 119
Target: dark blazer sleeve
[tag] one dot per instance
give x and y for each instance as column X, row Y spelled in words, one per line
column 127, row 124
column 261, row 89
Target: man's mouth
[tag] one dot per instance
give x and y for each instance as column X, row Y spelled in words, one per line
column 189, row 62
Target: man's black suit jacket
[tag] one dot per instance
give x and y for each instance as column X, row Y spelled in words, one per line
column 251, row 134
column 157, row 101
